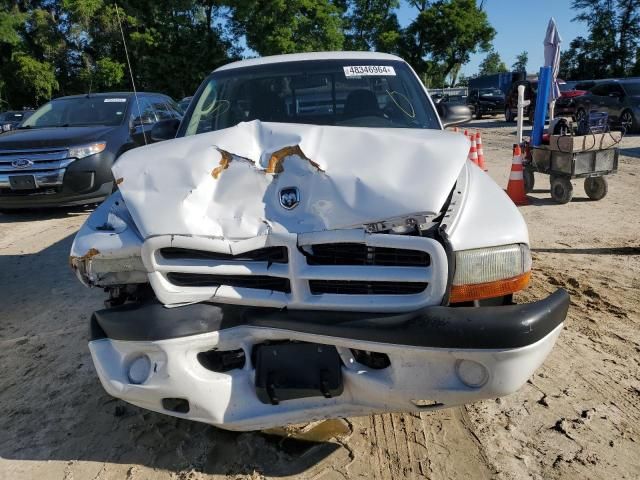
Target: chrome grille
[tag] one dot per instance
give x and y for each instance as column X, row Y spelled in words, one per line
column 47, row 165
column 43, row 159
column 356, row 272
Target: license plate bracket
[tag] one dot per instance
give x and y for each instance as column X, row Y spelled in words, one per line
column 288, row 371
column 22, row 182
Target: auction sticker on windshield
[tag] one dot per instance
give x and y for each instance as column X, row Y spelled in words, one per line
column 115, row 100
column 368, row 70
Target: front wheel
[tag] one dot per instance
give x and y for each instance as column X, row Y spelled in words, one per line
column 581, row 116
column 596, row 188
column 561, row 189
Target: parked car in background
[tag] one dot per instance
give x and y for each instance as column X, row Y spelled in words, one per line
column 325, row 248
column 459, row 99
column 511, row 101
column 619, row 99
column 12, row 118
column 184, row 104
column 486, row 101
column 566, row 104
column 63, row 153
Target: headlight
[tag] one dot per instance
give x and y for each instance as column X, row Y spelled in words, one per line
column 86, row 150
column 490, row 272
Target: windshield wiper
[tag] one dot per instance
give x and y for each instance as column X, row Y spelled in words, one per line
column 24, row 127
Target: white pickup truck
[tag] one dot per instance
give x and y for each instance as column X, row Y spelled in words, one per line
column 312, row 244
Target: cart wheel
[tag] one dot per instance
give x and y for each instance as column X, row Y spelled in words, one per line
column 561, row 189
column 529, row 180
column 596, row 187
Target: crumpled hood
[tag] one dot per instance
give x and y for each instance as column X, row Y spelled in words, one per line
column 229, row 183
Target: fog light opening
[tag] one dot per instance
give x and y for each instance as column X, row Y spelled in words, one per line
column 472, row 374
column 176, row 405
column 139, row 370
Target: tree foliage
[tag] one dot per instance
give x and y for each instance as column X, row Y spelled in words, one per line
column 372, row 25
column 287, row 26
column 520, row 65
column 61, row 47
column 610, row 49
column 444, row 35
column 491, row 64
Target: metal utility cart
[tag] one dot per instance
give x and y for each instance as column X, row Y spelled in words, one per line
column 589, row 156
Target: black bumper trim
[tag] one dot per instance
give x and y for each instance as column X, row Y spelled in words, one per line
column 500, row 327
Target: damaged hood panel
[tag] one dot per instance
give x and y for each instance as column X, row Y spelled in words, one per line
column 257, row 178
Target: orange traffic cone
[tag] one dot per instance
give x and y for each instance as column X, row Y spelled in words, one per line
column 515, row 187
column 466, row 133
column 473, row 152
column 455, row 129
column 480, row 152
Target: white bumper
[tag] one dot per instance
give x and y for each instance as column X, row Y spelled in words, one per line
column 418, row 378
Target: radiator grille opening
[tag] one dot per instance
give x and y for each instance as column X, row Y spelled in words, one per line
column 267, row 254
column 260, row 282
column 345, row 287
column 361, row 254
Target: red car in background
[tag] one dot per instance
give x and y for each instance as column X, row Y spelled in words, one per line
column 566, row 104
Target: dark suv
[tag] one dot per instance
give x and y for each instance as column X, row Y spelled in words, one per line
column 620, row 99
column 485, row 101
column 511, row 102
column 62, row 155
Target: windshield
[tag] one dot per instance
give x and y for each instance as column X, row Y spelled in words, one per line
column 632, row 89
column 344, row 93
column 79, row 112
column 491, row 92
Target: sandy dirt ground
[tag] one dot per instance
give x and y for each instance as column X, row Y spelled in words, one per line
column 577, row 417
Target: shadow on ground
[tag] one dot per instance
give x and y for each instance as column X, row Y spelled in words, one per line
column 54, row 407
column 32, row 215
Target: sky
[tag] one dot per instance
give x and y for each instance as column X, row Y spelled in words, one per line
column 520, row 25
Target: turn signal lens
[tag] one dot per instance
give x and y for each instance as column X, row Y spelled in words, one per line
column 490, row 272
column 480, row 291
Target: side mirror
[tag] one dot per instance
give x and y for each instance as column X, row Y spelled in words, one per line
column 452, row 114
column 165, row 129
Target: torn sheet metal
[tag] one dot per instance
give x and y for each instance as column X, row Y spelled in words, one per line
column 231, row 183
column 107, row 249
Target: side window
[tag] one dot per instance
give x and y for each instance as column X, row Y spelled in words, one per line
column 600, row 90
column 162, row 110
column 615, row 88
column 143, row 116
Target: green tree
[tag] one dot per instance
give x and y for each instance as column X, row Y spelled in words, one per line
column 463, row 81
column 609, row 50
column 520, row 65
column 37, row 78
column 372, row 25
column 444, row 35
column 287, row 26
column 492, row 63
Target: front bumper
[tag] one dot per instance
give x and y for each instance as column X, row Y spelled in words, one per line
column 426, row 349
column 493, row 109
column 75, row 182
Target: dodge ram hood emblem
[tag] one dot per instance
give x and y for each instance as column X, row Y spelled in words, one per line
column 21, row 163
column 289, row 197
